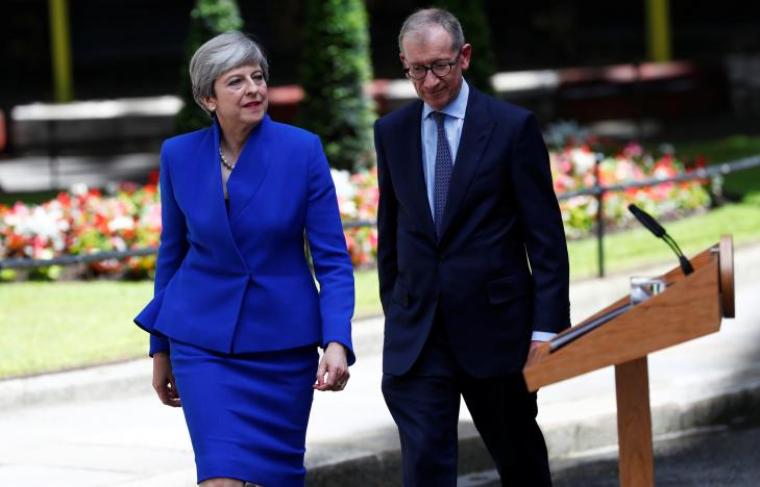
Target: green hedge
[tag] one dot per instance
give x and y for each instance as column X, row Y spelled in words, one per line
column 208, row 19
column 478, row 33
column 335, row 71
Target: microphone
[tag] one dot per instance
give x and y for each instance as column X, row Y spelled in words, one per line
column 646, row 219
column 651, row 224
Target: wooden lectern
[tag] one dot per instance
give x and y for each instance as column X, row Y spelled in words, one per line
column 689, row 307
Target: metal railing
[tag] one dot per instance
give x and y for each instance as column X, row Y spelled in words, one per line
column 597, row 191
column 21, row 263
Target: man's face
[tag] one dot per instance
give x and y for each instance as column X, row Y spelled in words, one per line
column 431, row 46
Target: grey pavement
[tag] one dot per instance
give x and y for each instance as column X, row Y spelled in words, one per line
column 717, row 456
column 103, row 426
column 710, row 457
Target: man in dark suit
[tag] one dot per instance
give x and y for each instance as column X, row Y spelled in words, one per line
column 472, row 262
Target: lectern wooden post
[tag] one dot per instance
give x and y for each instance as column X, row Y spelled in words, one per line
column 689, row 307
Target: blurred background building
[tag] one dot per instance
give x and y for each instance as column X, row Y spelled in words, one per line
column 571, row 60
column 135, row 47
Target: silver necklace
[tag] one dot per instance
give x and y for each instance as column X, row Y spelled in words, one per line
column 225, row 162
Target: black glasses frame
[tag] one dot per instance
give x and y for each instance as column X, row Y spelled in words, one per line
column 447, row 65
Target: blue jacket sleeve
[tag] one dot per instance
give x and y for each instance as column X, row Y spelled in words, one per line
column 173, row 246
column 542, row 229
column 332, row 264
column 387, row 258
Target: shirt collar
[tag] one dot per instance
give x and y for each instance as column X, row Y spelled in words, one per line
column 456, row 108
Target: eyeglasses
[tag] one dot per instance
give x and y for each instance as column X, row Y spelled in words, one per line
column 441, row 69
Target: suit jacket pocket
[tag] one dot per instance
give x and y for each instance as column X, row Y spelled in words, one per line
column 506, row 289
column 400, row 294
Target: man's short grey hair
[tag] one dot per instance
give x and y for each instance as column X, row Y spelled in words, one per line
column 430, row 17
column 218, row 55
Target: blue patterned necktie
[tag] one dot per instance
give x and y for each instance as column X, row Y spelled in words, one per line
column 443, row 169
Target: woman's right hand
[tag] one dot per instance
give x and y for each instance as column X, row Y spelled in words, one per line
column 163, row 380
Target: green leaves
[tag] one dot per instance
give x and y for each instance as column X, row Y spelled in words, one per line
column 477, row 32
column 335, row 71
column 208, row 19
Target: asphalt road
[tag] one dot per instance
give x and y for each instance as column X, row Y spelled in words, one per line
column 721, row 456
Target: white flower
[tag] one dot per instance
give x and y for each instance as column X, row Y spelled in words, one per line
column 343, row 186
column 39, row 222
column 121, row 223
column 348, row 207
column 119, row 244
column 78, row 189
column 583, row 160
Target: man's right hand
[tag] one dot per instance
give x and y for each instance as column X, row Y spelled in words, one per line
column 163, row 380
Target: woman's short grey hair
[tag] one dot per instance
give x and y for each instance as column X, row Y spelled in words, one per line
column 218, row 55
column 429, row 17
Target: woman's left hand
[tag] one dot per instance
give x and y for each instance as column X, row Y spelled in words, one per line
column 332, row 374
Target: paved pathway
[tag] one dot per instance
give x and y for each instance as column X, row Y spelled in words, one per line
column 109, row 430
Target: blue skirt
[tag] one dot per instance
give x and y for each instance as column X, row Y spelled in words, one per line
column 247, row 413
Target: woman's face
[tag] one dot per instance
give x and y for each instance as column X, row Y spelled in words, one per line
column 240, row 96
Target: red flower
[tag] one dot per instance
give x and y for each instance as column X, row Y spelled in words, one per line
column 64, row 198
column 153, row 177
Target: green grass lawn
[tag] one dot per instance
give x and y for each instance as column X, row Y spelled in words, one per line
column 367, row 293
column 48, row 326
column 638, row 247
column 738, row 184
column 53, row 326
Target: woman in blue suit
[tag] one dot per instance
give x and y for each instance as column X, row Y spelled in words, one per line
column 236, row 316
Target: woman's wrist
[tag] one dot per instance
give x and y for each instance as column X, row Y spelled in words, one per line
column 338, row 345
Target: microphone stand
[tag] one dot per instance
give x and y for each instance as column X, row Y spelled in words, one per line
column 659, row 231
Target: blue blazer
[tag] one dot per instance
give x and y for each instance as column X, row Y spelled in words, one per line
column 240, row 281
column 499, row 269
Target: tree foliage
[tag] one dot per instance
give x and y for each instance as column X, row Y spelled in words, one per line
column 477, row 32
column 335, row 72
column 207, row 19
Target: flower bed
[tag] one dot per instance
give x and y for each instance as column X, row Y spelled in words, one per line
column 84, row 221
column 357, row 201
column 573, row 169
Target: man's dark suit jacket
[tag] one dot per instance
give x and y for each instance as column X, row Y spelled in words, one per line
column 499, row 269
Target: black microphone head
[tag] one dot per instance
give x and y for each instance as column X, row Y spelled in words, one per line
column 646, row 219
column 686, row 266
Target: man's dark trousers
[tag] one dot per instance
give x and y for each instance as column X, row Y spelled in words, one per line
column 424, row 403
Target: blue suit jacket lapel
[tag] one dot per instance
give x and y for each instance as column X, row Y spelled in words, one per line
column 251, row 168
column 475, row 133
column 412, row 177
column 210, row 194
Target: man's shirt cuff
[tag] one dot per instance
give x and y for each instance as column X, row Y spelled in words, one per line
column 542, row 336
